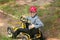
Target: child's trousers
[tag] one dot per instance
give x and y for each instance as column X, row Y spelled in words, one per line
column 31, row 32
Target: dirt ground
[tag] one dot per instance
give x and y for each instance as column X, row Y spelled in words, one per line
column 4, row 24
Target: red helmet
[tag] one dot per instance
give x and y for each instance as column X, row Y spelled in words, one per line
column 33, row 9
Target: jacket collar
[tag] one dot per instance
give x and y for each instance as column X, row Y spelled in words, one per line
column 34, row 16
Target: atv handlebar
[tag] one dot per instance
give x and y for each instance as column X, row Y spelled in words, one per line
column 25, row 20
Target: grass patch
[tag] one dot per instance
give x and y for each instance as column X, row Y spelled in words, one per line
column 5, row 1
column 4, row 38
column 16, row 10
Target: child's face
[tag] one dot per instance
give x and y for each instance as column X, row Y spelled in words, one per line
column 32, row 14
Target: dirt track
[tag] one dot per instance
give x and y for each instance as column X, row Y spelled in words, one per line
column 3, row 26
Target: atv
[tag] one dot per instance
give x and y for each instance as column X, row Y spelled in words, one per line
column 24, row 36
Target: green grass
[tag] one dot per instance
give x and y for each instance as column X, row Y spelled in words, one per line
column 5, row 1
column 16, row 10
column 4, row 38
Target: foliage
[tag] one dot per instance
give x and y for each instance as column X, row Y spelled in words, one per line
column 4, row 1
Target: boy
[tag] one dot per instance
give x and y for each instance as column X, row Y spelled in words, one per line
column 36, row 23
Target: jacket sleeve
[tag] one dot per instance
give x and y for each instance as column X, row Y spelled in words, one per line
column 38, row 23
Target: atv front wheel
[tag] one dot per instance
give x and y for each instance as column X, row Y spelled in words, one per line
column 9, row 31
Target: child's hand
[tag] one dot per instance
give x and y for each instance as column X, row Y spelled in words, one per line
column 31, row 26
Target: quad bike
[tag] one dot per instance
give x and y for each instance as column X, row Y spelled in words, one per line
column 24, row 36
